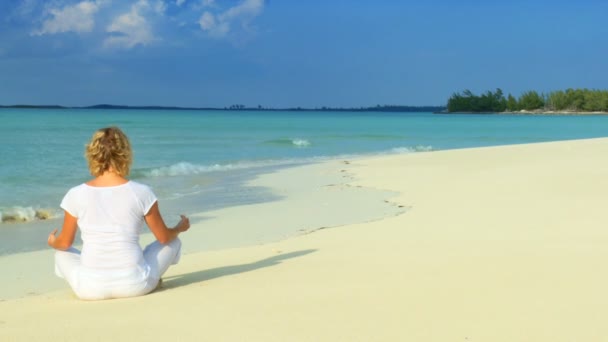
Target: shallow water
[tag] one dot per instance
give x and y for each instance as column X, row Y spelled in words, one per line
column 198, row 160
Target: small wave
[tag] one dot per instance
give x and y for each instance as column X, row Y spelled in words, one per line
column 25, row 214
column 412, row 149
column 296, row 142
column 185, row 169
column 300, row 142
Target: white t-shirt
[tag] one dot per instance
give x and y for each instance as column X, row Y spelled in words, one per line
column 110, row 220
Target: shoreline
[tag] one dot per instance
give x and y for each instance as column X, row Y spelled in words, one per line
column 222, row 228
column 501, row 243
column 241, row 186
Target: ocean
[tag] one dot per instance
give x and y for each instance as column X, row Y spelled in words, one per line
column 199, row 160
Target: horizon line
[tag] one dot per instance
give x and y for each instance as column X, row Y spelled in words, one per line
column 232, row 107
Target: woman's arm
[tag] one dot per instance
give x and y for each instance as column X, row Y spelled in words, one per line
column 67, row 235
column 160, row 230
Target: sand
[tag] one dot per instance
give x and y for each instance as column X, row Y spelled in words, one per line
column 488, row 244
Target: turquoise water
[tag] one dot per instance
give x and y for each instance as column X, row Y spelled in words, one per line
column 198, row 160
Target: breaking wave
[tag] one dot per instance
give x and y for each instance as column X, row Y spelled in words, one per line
column 413, row 149
column 185, row 168
column 26, row 214
column 296, row 142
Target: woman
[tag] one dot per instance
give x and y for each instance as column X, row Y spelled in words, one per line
column 110, row 211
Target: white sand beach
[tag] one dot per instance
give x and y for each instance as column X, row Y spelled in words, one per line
column 487, row 244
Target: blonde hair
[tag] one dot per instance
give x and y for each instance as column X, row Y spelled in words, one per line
column 109, row 148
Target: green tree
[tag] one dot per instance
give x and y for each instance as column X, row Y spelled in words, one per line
column 574, row 99
column 592, row 100
column 557, row 100
column 531, row 100
column 570, row 99
column 511, row 104
column 500, row 103
column 469, row 102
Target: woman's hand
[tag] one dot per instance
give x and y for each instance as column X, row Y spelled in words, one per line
column 184, row 224
column 157, row 225
column 52, row 238
column 64, row 240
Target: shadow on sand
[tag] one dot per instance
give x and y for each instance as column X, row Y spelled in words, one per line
column 199, row 276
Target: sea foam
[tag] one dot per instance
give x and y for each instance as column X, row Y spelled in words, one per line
column 300, row 142
column 292, row 142
column 413, row 149
column 185, row 168
column 25, row 214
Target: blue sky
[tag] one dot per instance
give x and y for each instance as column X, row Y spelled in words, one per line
column 287, row 53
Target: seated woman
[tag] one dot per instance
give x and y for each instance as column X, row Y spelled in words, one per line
column 110, row 211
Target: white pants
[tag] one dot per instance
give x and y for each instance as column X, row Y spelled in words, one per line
column 99, row 285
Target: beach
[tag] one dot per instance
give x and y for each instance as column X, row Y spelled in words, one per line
column 503, row 243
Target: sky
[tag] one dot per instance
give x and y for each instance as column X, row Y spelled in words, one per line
column 290, row 53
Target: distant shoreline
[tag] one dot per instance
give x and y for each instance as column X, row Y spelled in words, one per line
column 562, row 102
column 388, row 108
column 395, row 109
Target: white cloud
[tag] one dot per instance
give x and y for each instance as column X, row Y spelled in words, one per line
column 207, row 21
column 219, row 25
column 248, row 9
column 160, row 7
column 129, row 23
column 216, row 28
column 76, row 18
column 131, row 29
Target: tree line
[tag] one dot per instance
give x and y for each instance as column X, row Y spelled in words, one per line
column 571, row 100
